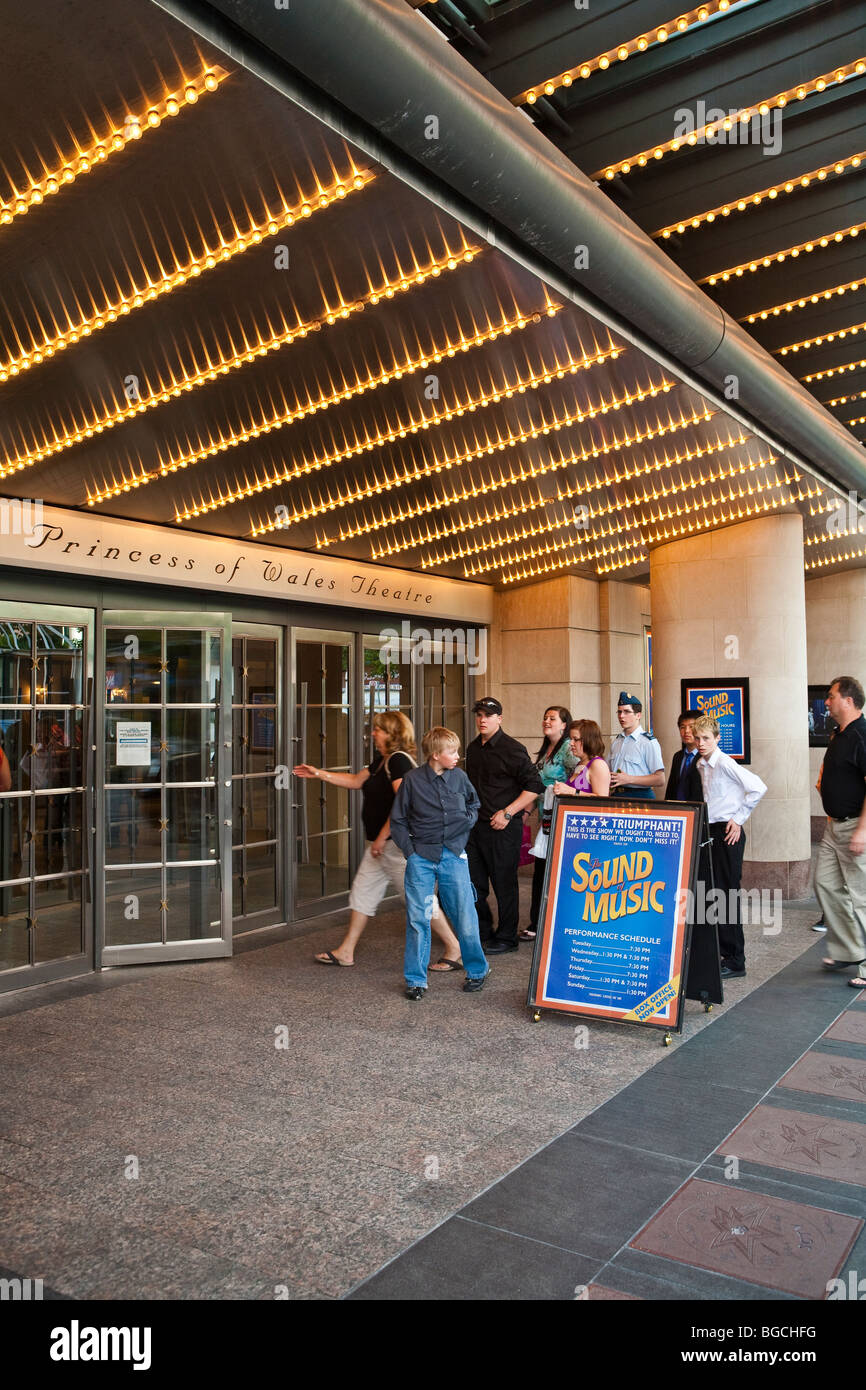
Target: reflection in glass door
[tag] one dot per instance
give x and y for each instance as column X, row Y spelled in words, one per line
column 45, row 680
column 257, row 751
column 322, row 678
column 445, row 694
column 166, row 787
column 387, row 685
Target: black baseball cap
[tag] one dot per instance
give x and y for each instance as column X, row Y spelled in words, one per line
column 487, row 706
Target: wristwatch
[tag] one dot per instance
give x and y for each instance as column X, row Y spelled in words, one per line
column 507, row 815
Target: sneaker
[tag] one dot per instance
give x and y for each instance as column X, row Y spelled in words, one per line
column 416, row 992
column 818, row 926
column 473, row 986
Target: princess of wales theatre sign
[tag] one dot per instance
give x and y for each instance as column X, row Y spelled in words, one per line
column 76, row 543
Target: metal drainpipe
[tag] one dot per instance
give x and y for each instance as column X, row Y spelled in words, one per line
column 496, row 172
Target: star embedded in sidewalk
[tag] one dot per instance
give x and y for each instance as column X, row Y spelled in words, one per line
column 844, row 1076
column 808, row 1141
column 743, row 1230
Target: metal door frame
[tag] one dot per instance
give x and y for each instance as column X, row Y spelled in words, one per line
column 147, row 953
column 279, row 633
column 334, row 637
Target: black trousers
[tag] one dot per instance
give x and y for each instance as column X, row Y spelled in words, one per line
column 494, row 858
column 728, row 874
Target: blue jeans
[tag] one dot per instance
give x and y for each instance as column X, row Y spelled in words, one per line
column 458, row 903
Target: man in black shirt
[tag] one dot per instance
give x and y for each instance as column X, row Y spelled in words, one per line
column 840, row 873
column 500, row 770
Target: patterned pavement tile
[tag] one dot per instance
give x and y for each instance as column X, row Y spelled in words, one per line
column 801, row 1143
column 782, row 1245
column 825, row 1074
column 851, row 1027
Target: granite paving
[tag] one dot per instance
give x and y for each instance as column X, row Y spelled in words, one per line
column 265, row 1127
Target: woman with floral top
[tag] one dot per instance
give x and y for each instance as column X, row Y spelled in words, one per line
column 554, row 763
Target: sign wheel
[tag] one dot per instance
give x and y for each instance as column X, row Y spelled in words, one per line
column 667, row 1040
column 536, row 1016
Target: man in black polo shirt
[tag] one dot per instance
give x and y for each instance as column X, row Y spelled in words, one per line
column 500, row 770
column 840, row 873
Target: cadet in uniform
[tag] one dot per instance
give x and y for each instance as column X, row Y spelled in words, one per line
column 635, row 757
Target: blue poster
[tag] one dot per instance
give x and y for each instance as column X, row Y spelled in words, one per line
column 725, row 703
column 614, row 922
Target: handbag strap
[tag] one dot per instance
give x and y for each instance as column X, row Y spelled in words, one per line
column 405, row 755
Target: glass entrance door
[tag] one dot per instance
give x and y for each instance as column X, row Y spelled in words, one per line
column 257, row 741
column 45, row 800
column 166, row 779
column 322, row 665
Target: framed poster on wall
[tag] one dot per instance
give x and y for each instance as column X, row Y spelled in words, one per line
column 614, row 927
column 727, row 702
column 821, row 725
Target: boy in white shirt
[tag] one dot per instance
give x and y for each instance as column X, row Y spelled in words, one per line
column 731, row 792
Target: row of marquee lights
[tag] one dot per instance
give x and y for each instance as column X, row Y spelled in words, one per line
column 633, row 526
column 440, row 530
column 201, row 376
column 834, row 371
column 471, row 489
column 384, row 292
column 415, row 473
column 549, row 525
column 754, row 200
column 804, row 302
column 208, row 259
column 720, row 511
column 743, row 116
column 776, row 257
column 403, row 429
column 821, row 339
column 105, row 147
column 658, row 35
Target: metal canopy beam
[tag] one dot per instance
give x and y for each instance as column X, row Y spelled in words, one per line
column 499, row 165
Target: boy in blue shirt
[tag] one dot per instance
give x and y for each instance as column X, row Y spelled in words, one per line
column 434, row 811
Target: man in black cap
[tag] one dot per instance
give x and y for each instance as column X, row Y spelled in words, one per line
column 635, row 757
column 501, row 772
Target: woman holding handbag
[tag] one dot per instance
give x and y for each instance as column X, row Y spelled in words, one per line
column 554, row 763
column 382, row 864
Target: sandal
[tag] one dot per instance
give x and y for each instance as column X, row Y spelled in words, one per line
column 527, row 935
column 328, row 958
column 446, row 965
column 829, row 964
column 858, row 982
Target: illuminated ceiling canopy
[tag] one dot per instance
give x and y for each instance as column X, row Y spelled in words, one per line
column 218, row 314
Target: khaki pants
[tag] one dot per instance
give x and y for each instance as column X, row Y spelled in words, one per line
column 840, row 887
